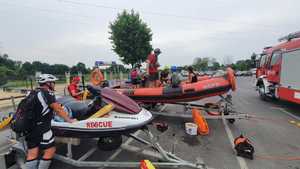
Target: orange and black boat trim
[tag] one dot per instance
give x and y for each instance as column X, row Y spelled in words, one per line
column 186, row 92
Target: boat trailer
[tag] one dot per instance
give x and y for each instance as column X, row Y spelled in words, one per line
column 222, row 109
column 151, row 148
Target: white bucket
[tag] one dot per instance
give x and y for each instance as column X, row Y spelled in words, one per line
column 191, row 129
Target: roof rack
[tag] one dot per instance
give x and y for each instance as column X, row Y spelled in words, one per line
column 290, row 36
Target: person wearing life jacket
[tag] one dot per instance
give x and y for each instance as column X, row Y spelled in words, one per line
column 176, row 78
column 192, row 76
column 152, row 67
column 164, row 76
column 73, row 88
column 41, row 136
column 135, row 76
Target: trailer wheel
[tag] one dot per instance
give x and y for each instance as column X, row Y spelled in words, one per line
column 109, row 143
column 149, row 106
column 262, row 92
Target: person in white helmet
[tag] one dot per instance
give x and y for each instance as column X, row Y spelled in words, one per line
column 41, row 137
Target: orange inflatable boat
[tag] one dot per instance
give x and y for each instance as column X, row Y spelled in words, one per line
column 213, row 86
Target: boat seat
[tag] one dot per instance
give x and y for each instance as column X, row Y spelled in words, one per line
column 79, row 108
column 172, row 91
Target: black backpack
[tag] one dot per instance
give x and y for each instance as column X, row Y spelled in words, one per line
column 24, row 119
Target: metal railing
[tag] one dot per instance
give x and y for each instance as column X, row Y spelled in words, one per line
column 13, row 101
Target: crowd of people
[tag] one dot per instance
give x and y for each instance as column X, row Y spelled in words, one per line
column 42, row 138
column 152, row 77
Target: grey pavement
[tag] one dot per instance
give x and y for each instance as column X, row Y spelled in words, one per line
column 274, row 134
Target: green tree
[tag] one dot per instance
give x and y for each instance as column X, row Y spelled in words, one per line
column 243, row 65
column 7, row 62
column 59, row 69
column 38, row 66
column 216, row 65
column 79, row 67
column 130, row 37
column 201, row 63
column 27, row 69
column 3, row 75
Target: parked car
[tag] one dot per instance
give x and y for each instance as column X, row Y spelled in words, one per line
column 238, row 73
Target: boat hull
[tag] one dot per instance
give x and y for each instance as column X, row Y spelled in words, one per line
column 209, row 87
column 114, row 123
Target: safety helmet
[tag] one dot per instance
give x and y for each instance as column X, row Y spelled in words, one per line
column 166, row 67
column 190, row 68
column 76, row 79
column 44, row 78
column 157, row 51
column 173, row 68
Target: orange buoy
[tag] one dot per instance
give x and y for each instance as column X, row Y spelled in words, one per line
column 146, row 164
column 231, row 78
column 200, row 121
column 96, row 77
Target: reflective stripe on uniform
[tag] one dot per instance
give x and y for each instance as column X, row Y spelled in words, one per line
column 43, row 103
column 48, row 137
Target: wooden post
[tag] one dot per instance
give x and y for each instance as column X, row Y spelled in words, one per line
column 31, row 84
column 26, row 83
column 67, row 74
column 110, row 75
column 83, row 82
column 13, row 103
column 105, row 74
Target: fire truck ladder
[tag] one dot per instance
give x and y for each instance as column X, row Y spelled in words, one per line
column 290, row 36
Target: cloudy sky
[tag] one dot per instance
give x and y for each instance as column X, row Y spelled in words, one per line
column 69, row 31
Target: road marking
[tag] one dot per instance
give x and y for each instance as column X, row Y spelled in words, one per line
column 286, row 112
column 113, row 156
column 242, row 162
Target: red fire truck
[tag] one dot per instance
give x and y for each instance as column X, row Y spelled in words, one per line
column 278, row 70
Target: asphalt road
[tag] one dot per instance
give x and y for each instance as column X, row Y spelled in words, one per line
column 274, row 132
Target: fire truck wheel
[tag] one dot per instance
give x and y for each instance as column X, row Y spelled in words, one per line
column 109, row 143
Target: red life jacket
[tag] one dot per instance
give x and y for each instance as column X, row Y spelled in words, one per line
column 134, row 74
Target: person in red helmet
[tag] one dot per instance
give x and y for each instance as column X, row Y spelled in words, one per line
column 73, row 88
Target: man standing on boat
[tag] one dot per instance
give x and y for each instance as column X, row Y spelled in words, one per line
column 152, row 67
